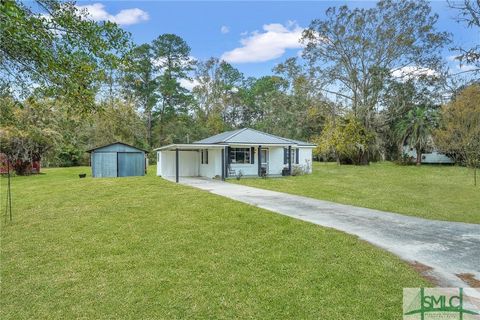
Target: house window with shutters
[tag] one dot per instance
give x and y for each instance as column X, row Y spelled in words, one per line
column 240, row 155
column 293, row 155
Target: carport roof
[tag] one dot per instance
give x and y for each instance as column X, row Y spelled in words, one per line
column 190, row 146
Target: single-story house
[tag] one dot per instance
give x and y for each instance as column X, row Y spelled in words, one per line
column 245, row 152
column 118, row 159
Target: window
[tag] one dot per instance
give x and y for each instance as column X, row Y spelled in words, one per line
column 204, row 156
column 293, row 154
column 240, row 155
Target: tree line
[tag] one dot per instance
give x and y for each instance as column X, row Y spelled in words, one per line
column 369, row 82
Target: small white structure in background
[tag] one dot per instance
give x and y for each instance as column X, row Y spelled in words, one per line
column 243, row 152
column 431, row 156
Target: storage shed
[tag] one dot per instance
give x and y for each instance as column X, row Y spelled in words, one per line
column 118, row 159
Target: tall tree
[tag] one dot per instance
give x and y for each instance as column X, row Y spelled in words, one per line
column 353, row 51
column 307, row 107
column 218, row 94
column 117, row 121
column 173, row 62
column 469, row 13
column 416, row 128
column 59, row 51
column 459, row 133
column 140, row 83
column 401, row 98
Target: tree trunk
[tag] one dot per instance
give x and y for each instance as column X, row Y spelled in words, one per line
column 363, row 158
column 149, row 128
column 419, row 156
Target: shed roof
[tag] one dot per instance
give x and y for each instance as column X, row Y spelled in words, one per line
column 250, row 136
column 118, row 142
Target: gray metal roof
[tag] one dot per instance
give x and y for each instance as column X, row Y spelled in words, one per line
column 113, row 143
column 250, row 136
column 303, row 143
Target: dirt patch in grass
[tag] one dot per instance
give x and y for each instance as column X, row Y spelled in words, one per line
column 425, row 271
column 469, row 279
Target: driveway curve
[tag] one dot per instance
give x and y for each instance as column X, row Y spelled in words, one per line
column 449, row 252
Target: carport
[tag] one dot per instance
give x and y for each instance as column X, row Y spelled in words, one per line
column 189, row 160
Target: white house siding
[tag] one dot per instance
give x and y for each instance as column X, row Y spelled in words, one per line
column 305, row 157
column 159, row 163
column 247, row 169
column 188, row 163
column 214, row 166
column 275, row 162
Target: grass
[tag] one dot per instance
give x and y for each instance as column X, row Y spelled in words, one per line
column 428, row 191
column 146, row 248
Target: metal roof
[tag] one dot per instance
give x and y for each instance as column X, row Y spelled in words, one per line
column 118, row 142
column 250, row 136
column 190, row 146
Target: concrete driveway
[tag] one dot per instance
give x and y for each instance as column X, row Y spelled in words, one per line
column 440, row 250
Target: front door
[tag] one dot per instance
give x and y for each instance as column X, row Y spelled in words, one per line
column 264, row 156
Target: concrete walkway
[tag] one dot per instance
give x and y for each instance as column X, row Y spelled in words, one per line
column 440, row 249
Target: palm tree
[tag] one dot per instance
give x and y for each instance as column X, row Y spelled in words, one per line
column 415, row 129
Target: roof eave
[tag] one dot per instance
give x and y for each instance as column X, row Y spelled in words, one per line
column 181, row 146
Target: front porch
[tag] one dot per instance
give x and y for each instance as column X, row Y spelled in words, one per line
column 224, row 161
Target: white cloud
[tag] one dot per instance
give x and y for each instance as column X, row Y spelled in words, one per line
column 224, row 29
column 189, row 84
column 97, row 12
column 267, row 45
column 410, row 72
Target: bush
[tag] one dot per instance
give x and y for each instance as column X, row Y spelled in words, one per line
column 298, row 170
column 405, row 160
column 239, row 175
column 69, row 156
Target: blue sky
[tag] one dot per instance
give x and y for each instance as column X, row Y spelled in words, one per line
column 216, row 28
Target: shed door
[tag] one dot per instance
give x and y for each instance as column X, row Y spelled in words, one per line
column 131, row 164
column 104, row 164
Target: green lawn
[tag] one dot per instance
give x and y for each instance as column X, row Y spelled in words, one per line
column 143, row 248
column 432, row 192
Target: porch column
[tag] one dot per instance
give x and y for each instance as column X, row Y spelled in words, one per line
column 176, row 165
column 259, row 161
column 290, row 160
column 223, row 164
